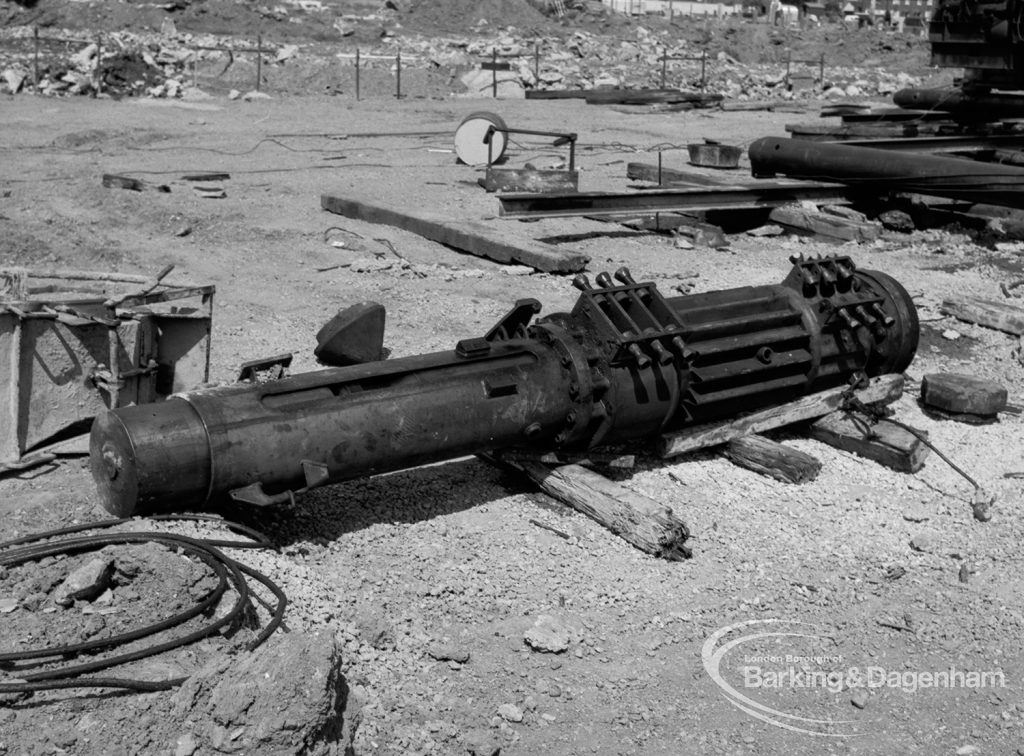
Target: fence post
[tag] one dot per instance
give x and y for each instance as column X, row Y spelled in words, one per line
column 821, row 72
column 398, row 75
column 494, row 72
column 35, row 56
column 664, row 65
column 96, row 73
column 357, row 74
column 259, row 60
column 703, row 69
column 195, row 66
column 536, row 61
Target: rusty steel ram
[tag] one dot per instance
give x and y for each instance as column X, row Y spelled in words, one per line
column 625, row 363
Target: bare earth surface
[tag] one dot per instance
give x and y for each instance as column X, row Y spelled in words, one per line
column 380, row 573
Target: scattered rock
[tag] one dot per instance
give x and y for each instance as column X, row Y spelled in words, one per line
column 950, row 335
column 859, row 698
column 896, row 220
column 923, row 542
column 186, row 745
column 510, row 713
column 481, row 743
column 981, row 504
column 254, row 95
column 448, row 652
column 916, row 513
column 548, row 635
column 85, row 583
column 769, row 229
column 967, row 750
column 287, row 696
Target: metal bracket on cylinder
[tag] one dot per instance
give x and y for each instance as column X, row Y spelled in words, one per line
column 316, row 474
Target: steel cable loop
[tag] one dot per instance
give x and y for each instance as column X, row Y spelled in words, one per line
column 205, row 603
column 208, row 551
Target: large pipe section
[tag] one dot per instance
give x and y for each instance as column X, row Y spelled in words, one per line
column 986, row 107
column 625, row 363
column 886, row 171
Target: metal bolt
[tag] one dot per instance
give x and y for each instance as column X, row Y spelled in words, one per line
column 112, row 463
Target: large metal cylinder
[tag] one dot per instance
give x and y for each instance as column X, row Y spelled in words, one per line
column 885, row 171
column 625, row 363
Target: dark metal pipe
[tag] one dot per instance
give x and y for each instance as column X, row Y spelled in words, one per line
column 625, row 363
column 885, row 171
column 973, row 106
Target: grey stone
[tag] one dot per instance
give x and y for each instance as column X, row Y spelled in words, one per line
column 548, row 635
column 85, row 583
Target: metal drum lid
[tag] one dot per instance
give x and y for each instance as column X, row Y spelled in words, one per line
column 469, row 138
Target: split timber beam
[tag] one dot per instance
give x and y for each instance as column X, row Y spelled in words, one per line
column 681, row 200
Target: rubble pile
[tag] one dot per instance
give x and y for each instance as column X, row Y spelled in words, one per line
column 161, row 64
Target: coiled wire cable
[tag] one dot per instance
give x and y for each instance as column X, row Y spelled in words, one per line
column 227, row 571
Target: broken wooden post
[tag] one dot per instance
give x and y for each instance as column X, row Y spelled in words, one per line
column 398, row 75
column 884, row 389
column 259, row 60
column 882, row 441
column 357, row 74
column 762, row 455
column 650, row 526
column 986, row 312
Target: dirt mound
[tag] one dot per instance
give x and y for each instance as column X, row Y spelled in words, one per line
column 454, row 16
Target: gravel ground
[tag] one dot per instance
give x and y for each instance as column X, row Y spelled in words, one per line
column 421, row 585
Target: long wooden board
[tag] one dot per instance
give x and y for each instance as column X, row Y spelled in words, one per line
column 473, row 237
column 990, row 313
column 884, row 389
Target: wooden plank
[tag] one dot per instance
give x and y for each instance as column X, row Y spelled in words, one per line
column 473, row 237
column 884, row 389
column 882, row 441
column 762, row 455
column 669, row 176
column 647, row 524
column 986, row 312
column 530, row 180
column 824, row 224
